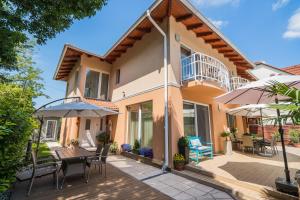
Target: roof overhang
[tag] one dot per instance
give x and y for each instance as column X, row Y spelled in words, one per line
column 69, row 57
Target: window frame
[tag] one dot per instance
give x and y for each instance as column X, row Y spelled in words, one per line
column 54, row 135
column 118, row 76
column 99, row 83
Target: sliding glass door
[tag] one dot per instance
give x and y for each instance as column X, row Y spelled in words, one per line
column 196, row 121
column 140, row 124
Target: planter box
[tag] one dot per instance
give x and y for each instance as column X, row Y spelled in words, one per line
column 179, row 166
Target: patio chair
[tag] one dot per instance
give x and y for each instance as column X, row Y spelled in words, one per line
column 273, row 145
column 98, row 160
column 200, row 150
column 247, row 143
column 37, row 170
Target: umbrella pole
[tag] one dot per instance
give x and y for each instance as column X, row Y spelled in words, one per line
column 262, row 125
column 39, row 137
column 280, row 130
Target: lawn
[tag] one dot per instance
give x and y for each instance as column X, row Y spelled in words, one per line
column 44, row 150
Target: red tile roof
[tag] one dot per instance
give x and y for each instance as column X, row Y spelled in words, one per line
column 295, row 69
column 105, row 104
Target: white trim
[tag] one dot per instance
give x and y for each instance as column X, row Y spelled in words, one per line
column 209, row 117
column 55, row 127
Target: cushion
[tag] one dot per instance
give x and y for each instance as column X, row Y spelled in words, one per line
column 196, row 142
column 202, row 148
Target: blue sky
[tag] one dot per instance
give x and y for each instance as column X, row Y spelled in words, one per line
column 264, row 30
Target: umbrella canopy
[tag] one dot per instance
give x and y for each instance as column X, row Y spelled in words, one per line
column 254, row 110
column 255, row 93
column 75, row 109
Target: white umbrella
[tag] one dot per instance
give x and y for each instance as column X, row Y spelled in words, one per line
column 257, row 93
column 75, row 109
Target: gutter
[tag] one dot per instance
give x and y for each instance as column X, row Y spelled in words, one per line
column 166, row 112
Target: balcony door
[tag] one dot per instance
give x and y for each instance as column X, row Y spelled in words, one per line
column 197, row 120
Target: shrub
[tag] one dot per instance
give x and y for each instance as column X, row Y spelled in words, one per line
column 136, row 147
column 16, row 126
column 183, row 141
column 294, row 135
column 103, row 138
column 178, row 158
column 113, row 147
column 276, row 134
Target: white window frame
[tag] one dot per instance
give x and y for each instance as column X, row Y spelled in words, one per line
column 100, row 83
column 54, row 135
column 209, row 117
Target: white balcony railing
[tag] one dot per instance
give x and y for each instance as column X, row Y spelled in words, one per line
column 237, row 82
column 199, row 66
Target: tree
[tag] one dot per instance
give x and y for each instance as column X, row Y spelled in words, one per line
column 292, row 101
column 21, row 19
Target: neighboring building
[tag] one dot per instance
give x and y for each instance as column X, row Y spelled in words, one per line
column 51, row 129
column 295, row 69
column 263, row 70
column 201, row 64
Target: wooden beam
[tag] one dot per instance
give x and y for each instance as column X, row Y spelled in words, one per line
column 183, row 17
column 225, row 51
column 230, row 55
column 134, row 38
column 69, row 60
column 170, row 5
column 236, row 59
column 120, row 51
column 127, row 45
column 201, row 34
column 144, row 30
column 194, row 26
column 217, row 46
column 212, row 40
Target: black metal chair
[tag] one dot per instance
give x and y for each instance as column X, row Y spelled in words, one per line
column 98, row 160
column 37, row 170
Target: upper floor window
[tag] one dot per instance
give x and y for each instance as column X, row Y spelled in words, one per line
column 118, row 73
column 96, row 85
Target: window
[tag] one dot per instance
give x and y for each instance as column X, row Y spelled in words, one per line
column 87, row 124
column 76, row 81
column 140, row 124
column 51, row 129
column 118, row 73
column 96, row 85
column 231, row 121
column 196, row 121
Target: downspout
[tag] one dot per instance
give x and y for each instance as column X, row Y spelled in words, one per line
column 166, row 111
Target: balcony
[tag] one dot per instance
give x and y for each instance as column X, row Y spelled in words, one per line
column 199, row 66
column 237, row 82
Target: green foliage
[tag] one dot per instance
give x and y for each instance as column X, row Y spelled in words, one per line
column 41, row 19
column 183, row 141
column 113, row 147
column 16, row 126
column 276, row 134
column 136, row 147
column 225, row 134
column 292, row 95
column 103, row 138
column 294, row 135
column 178, row 158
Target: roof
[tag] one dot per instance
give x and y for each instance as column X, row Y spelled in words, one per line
column 101, row 103
column 295, row 69
column 184, row 13
column 273, row 67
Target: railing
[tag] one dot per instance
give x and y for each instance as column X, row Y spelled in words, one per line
column 199, row 66
column 237, row 82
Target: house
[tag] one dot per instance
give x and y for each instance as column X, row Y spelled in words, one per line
column 162, row 76
column 263, row 70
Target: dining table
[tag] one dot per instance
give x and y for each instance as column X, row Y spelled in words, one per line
column 73, row 161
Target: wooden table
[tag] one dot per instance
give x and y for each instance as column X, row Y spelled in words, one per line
column 73, row 161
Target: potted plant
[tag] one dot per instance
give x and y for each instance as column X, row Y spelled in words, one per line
column 183, row 143
column 227, row 143
column 179, row 161
column 103, row 138
column 136, row 147
column 295, row 137
column 74, row 143
column 113, row 148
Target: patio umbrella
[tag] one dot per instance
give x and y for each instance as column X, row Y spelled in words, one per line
column 73, row 109
column 256, row 93
column 255, row 110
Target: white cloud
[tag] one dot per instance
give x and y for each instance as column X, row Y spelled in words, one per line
column 293, row 29
column 219, row 23
column 279, row 4
column 215, row 2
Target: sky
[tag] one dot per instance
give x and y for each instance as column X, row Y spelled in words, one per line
column 264, row 30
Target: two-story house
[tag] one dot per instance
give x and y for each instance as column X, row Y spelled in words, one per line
column 162, row 76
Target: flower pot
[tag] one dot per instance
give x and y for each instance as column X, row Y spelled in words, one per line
column 179, row 165
column 227, row 147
